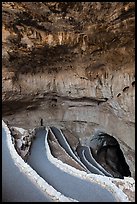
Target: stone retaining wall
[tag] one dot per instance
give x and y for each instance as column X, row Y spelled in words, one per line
column 43, row 186
column 31, row 174
column 104, row 181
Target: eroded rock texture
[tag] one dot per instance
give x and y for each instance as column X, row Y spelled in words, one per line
column 72, row 64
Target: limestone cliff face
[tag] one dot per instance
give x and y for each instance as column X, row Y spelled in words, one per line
column 69, row 51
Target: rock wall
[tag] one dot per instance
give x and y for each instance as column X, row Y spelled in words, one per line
column 43, row 189
column 116, row 186
column 118, row 88
column 72, row 64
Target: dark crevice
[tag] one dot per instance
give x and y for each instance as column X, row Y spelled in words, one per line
column 126, row 88
column 133, row 83
column 119, row 94
column 106, row 151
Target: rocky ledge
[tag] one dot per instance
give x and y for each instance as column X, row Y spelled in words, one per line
column 71, row 65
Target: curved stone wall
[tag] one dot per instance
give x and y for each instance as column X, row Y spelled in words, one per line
column 102, row 180
column 42, row 187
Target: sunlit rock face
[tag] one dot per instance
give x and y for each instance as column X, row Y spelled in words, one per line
column 71, row 64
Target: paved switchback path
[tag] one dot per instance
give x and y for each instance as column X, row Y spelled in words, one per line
column 68, row 185
column 16, row 186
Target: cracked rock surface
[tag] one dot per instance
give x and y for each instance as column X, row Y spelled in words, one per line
column 72, row 65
